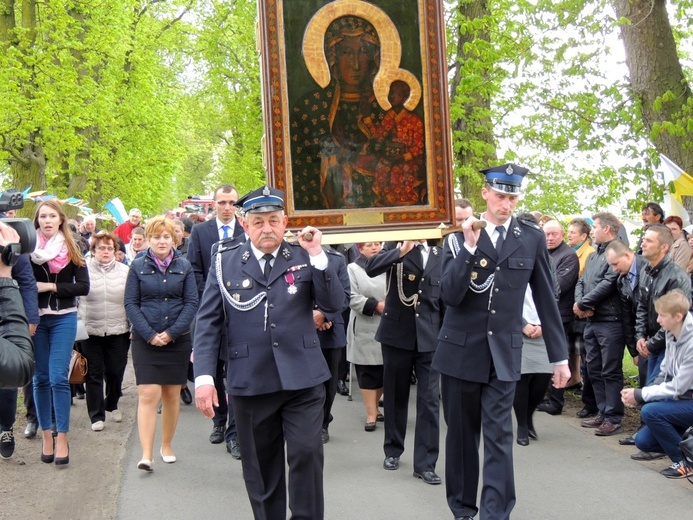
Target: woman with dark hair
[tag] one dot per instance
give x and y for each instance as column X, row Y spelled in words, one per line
column 160, row 302
column 332, row 164
column 680, row 251
column 103, row 314
column 367, row 304
column 61, row 276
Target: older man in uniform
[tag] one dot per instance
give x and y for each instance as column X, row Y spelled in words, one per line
column 263, row 291
column 485, row 276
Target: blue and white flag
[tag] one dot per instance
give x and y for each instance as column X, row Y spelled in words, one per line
column 116, row 208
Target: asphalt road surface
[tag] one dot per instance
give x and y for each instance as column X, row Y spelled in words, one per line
column 567, row 474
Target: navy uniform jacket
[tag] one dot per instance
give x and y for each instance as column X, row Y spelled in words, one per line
column 202, row 237
column 481, row 328
column 335, row 336
column 273, row 346
column 404, row 326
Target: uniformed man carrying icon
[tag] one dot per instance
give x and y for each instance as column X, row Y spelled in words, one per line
column 485, row 275
column 263, row 291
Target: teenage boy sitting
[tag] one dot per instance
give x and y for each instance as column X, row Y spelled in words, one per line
column 668, row 402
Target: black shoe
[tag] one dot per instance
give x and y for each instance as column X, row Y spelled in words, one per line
column 585, row 413
column 391, row 463
column 550, row 408
column 369, row 426
column 324, row 436
column 648, row 455
column 185, row 395
column 342, row 388
column 523, row 441
column 532, row 434
column 6, row 443
column 233, row 448
column 63, row 461
column 48, row 459
column 380, row 418
column 217, row 436
column 30, row 430
column 429, row 477
column 627, row 441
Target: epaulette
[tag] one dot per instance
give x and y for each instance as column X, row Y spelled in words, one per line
column 529, row 223
column 227, row 244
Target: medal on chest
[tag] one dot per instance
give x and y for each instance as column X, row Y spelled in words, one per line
column 290, row 280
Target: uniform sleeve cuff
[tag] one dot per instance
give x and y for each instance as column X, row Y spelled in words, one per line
column 319, row 261
column 203, row 380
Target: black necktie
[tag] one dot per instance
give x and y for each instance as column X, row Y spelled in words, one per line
column 420, row 247
column 268, row 264
column 501, row 235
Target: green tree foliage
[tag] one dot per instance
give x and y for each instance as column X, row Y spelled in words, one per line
column 556, row 102
column 146, row 100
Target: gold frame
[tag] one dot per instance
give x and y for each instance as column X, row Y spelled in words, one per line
column 277, row 60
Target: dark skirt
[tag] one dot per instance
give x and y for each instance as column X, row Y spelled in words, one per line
column 167, row 365
column 370, row 377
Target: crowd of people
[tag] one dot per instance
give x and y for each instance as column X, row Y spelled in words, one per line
column 263, row 328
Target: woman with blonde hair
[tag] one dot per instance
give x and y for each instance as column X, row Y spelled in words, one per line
column 61, row 276
column 160, row 302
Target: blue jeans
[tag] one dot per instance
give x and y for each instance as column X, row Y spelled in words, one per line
column 665, row 422
column 53, row 343
column 653, row 363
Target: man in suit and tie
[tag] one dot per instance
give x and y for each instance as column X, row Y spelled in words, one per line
column 485, row 276
column 407, row 332
column 262, row 291
column 202, row 237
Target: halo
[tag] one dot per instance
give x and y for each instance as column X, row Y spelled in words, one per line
column 383, row 82
column 390, row 44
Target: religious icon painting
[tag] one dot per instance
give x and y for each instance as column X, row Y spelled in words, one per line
column 356, row 112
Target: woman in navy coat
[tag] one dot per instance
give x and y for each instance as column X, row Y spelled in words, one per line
column 160, row 302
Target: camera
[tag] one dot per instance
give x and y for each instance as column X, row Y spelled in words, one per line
column 13, row 200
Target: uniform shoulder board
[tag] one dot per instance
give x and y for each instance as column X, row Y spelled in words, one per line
column 227, row 244
column 529, row 223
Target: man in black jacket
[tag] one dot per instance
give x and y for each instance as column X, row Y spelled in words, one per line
column 660, row 277
column 567, row 267
column 597, row 298
column 16, row 350
column 408, row 333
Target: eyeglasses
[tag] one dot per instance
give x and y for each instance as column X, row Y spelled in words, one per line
column 105, row 248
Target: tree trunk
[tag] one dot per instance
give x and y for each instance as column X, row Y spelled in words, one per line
column 655, row 70
column 29, row 169
column 470, row 127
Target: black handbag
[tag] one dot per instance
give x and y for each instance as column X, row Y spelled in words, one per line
column 686, row 447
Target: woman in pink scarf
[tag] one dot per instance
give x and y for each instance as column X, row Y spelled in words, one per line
column 61, row 276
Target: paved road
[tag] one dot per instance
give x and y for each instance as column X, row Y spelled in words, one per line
column 568, row 474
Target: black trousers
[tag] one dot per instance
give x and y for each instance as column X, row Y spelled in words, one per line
column 223, row 414
column 332, row 356
column 469, row 407
column 107, row 357
column 397, row 367
column 604, row 349
column 266, row 424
